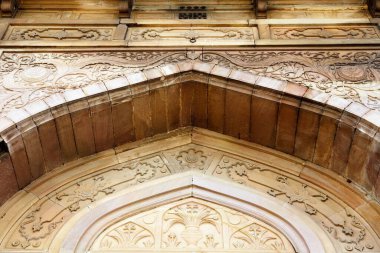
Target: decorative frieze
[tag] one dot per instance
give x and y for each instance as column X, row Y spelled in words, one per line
column 324, row 32
column 29, row 77
column 196, row 35
column 21, row 33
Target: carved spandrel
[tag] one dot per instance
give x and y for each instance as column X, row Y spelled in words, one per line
column 36, row 228
column 344, row 227
column 38, row 225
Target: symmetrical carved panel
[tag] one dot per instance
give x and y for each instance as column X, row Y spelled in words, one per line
column 341, row 32
column 58, row 33
column 193, row 35
column 192, row 224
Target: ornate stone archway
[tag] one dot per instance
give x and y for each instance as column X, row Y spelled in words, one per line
column 75, row 207
column 265, row 109
column 72, row 105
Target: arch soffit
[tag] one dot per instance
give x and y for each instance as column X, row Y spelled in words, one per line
column 91, row 186
column 285, row 106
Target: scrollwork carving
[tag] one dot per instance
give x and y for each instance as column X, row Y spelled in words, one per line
column 25, row 78
column 35, row 228
column 350, row 232
column 67, row 33
column 369, row 32
column 298, row 194
column 85, row 191
column 144, row 34
column 236, row 170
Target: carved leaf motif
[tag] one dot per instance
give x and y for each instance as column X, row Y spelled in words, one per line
column 193, row 225
column 192, row 216
column 33, row 229
column 130, row 235
column 296, row 194
column 350, row 232
column 237, row 170
column 86, row 190
column 256, row 237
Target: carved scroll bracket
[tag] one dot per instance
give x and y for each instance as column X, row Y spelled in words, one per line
column 261, row 8
column 374, row 8
column 9, row 8
column 125, row 8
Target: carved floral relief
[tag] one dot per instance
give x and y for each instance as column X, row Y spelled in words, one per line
column 36, row 228
column 29, row 77
column 345, row 228
column 189, row 158
column 192, row 224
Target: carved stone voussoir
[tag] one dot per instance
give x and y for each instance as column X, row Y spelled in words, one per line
column 58, row 33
